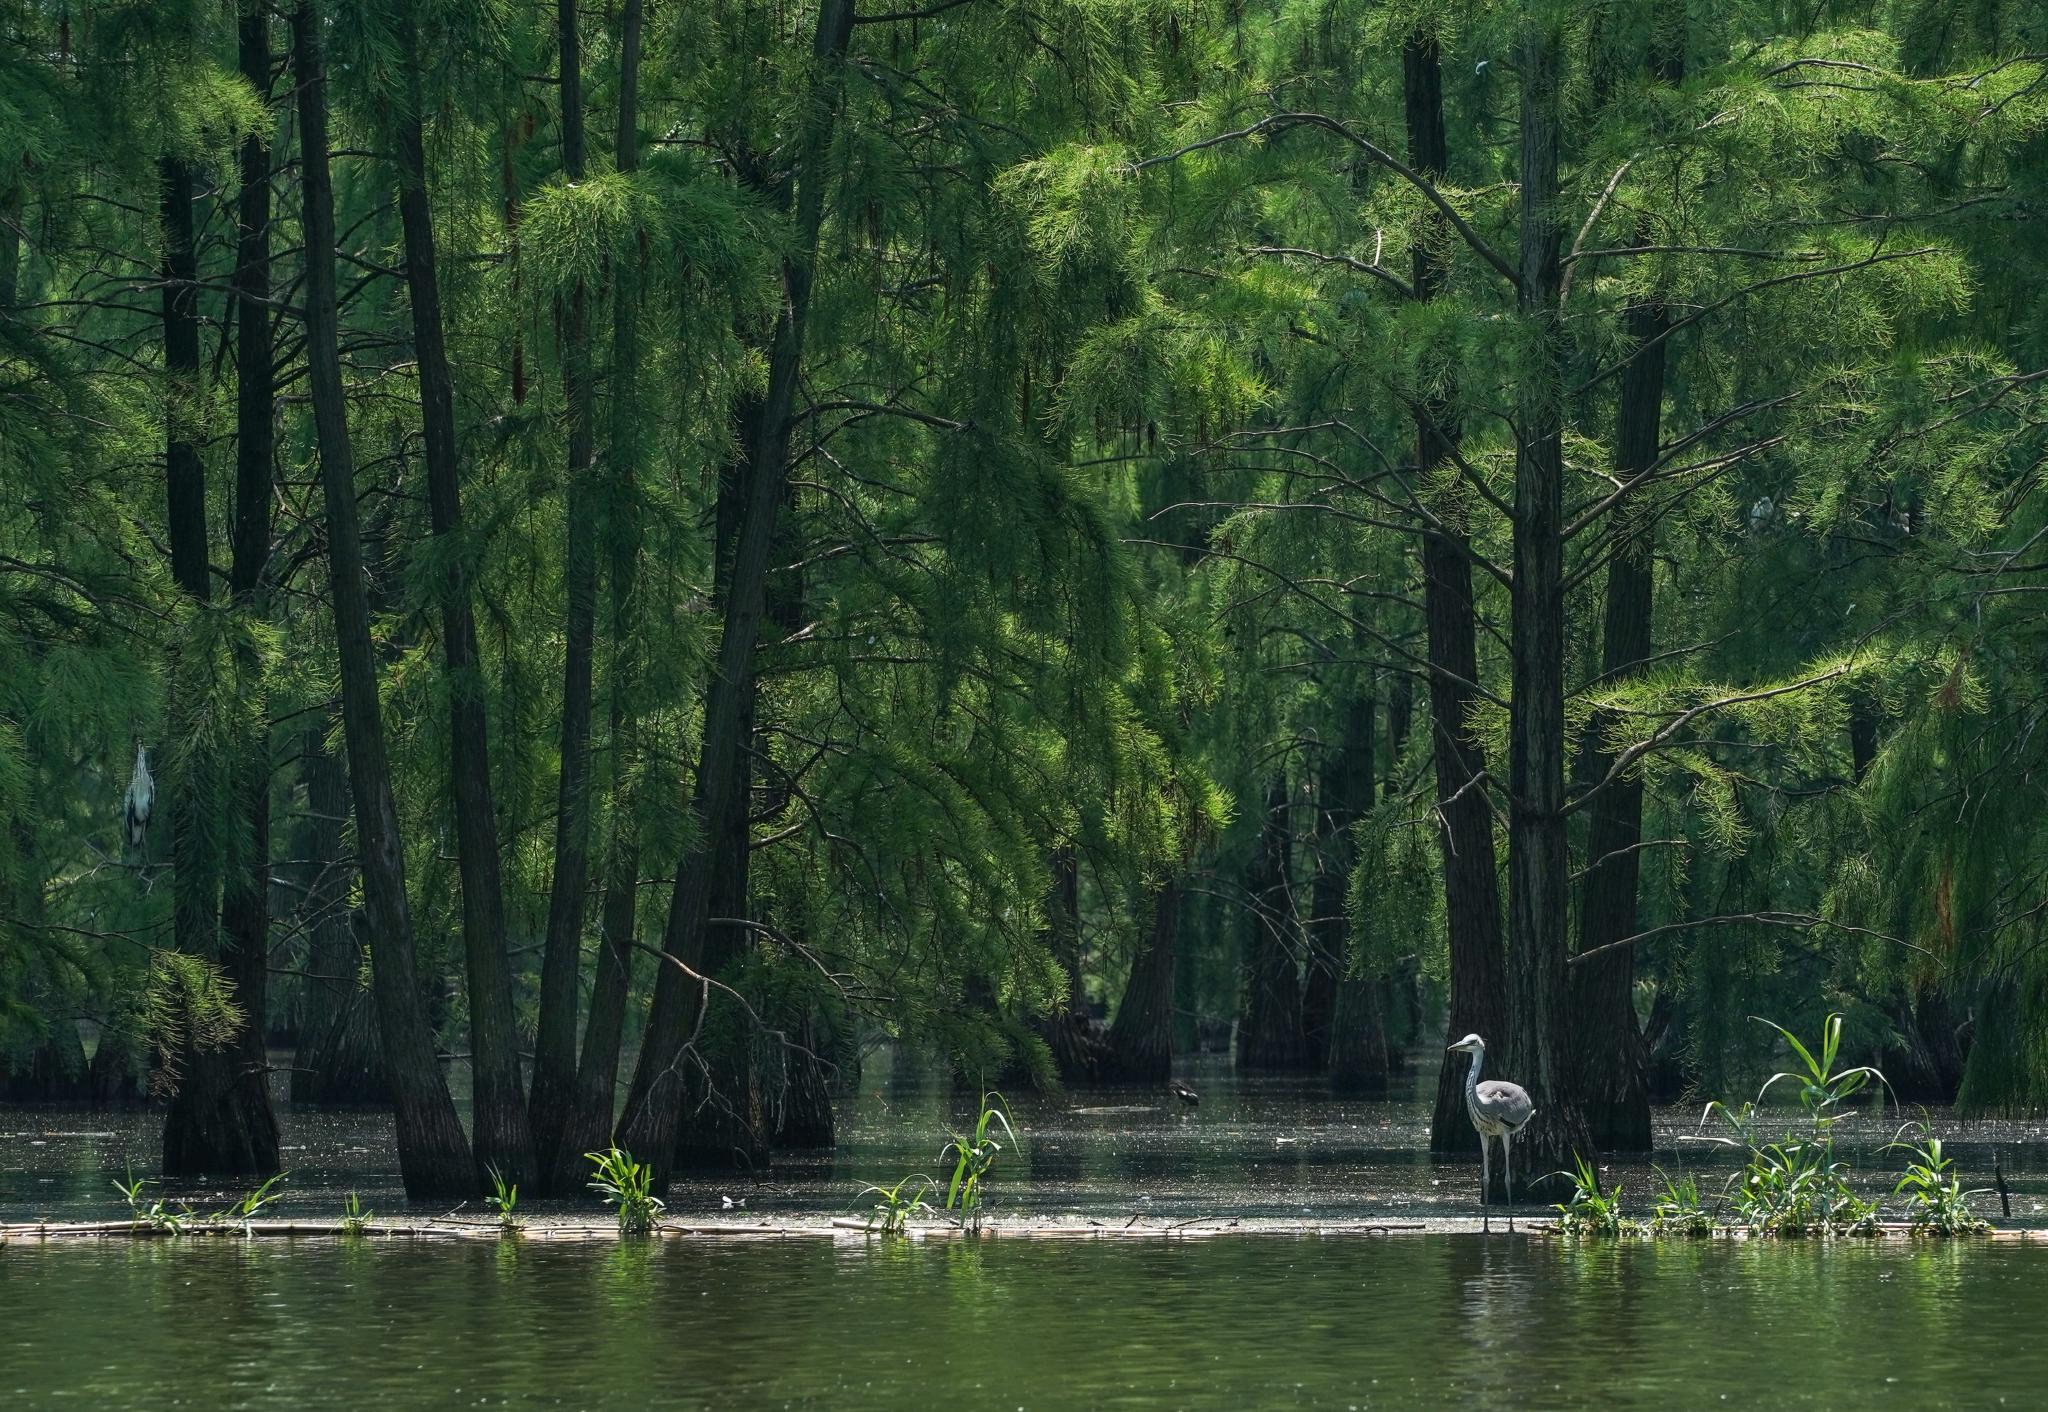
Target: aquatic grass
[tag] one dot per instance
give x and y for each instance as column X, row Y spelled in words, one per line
column 973, row 1159
column 895, row 1205
column 152, row 1214
column 1796, row 1186
column 628, row 1187
column 1590, row 1213
column 504, row 1201
column 1679, row 1210
column 250, row 1205
column 1937, row 1203
column 354, row 1219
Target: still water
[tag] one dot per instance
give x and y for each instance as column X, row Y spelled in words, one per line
column 1243, row 1322
column 837, row 1321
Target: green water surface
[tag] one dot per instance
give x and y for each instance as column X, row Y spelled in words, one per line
column 1353, row 1322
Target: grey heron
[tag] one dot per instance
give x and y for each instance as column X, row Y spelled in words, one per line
column 1497, row 1109
column 139, row 801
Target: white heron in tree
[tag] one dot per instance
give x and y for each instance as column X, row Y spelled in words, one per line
column 1498, row 1109
column 139, row 801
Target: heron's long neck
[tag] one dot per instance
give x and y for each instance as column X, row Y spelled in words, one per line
column 1472, row 1074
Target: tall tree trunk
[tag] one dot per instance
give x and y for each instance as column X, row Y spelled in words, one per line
column 219, row 1120
column 1269, row 1030
column 554, row 1050
column 433, row 1153
column 502, row 1140
column 653, row 1105
column 592, row 1110
column 1356, row 1051
column 1451, row 621
column 1141, row 1036
column 340, row 1058
column 1611, row 1061
column 1539, row 864
column 245, row 895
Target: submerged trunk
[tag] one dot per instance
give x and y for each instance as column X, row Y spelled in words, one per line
column 1269, row 1027
column 433, row 1153
column 591, row 1111
column 1141, row 1037
column 503, row 1142
column 554, row 1050
column 1539, row 865
column 1451, row 620
column 654, row 1104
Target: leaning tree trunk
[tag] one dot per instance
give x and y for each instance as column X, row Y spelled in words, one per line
column 554, row 1050
column 220, row 1120
column 433, row 1153
column 654, row 1103
column 502, row 1139
column 1539, row 863
column 591, row 1111
column 1141, row 1036
column 1451, row 617
column 1269, row 1029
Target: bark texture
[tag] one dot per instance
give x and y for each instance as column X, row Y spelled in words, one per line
column 433, row 1152
column 1451, row 622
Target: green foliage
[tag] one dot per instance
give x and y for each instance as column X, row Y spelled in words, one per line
column 1679, row 1210
column 250, row 1204
column 1590, row 1213
column 1795, row 1186
column 627, row 1187
column 1937, row 1205
column 1104, row 496
column 152, row 1213
column 974, row 1157
column 894, row 1205
column 503, row 1200
column 355, row 1221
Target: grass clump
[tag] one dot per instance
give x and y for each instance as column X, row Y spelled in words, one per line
column 893, row 1206
column 504, row 1203
column 628, row 1187
column 1796, row 1186
column 973, row 1158
column 1937, row 1204
column 1679, row 1210
column 1589, row 1213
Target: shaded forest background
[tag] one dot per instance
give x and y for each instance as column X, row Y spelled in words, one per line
column 646, row 549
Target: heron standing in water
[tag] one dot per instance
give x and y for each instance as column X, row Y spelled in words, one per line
column 1498, row 1109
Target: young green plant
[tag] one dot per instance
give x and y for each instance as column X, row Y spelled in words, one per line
column 1937, row 1204
column 628, row 1188
column 894, row 1205
column 973, row 1158
column 504, row 1201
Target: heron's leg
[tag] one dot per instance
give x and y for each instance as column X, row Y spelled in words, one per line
column 1507, row 1167
column 1485, row 1182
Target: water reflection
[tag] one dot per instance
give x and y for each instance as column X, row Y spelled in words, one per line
column 1218, row 1324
